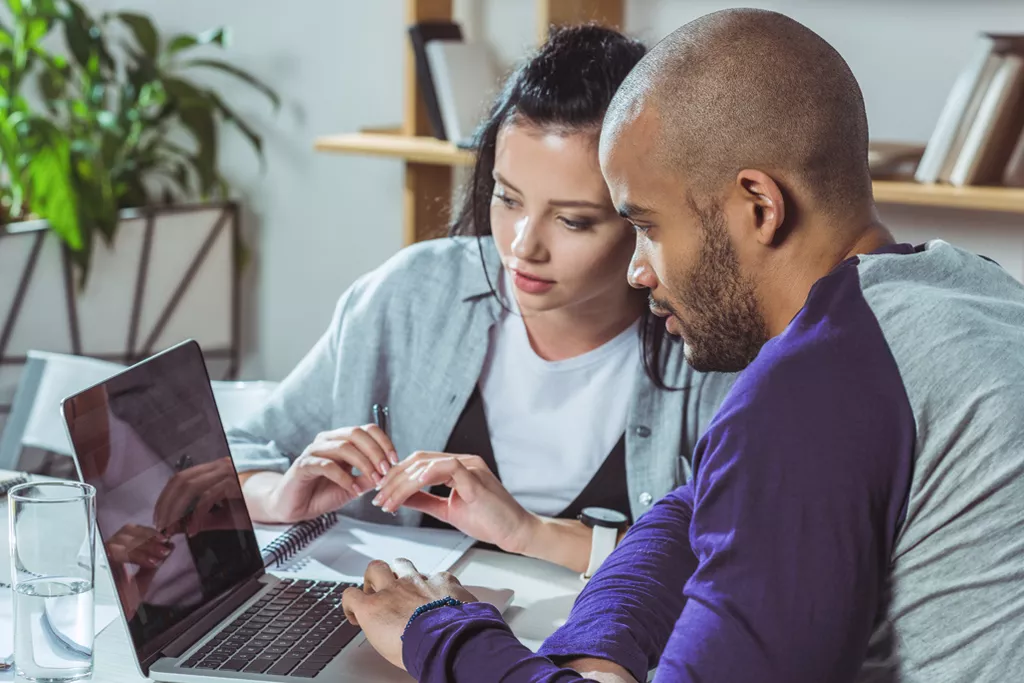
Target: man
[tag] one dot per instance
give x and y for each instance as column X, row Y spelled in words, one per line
column 857, row 507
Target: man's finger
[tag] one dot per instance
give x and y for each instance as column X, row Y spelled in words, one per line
column 405, row 569
column 378, row 577
column 353, row 601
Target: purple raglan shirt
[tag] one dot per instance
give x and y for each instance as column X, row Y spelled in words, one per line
column 771, row 564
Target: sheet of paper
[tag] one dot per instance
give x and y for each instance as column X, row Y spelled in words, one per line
column 348, row 546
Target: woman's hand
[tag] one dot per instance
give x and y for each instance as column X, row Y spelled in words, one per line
column 478, row 506
column 323, row 479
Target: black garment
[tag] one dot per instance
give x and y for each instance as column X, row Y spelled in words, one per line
column 606, row 489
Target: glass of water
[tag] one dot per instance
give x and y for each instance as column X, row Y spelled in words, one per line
column 52, row 532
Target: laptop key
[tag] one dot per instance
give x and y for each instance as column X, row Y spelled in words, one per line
column 208, row 664
column 236, row 664
column 284, row 666
column 193, row 661
column 250, row 650
column 260, row 664
column 276, row 650
column 305, row 672
column 343, row 634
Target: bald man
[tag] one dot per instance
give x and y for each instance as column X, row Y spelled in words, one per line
column 857, row 507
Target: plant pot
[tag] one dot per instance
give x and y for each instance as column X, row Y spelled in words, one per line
column 171, row 274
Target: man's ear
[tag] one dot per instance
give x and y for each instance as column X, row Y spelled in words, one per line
column 763, row 204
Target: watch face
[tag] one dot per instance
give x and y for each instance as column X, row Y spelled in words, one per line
column 602, row 517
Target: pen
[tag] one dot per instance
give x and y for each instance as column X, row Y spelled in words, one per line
column 380, row 416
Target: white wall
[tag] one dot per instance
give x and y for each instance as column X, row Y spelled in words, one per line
column 317, row 221
column 322, row 220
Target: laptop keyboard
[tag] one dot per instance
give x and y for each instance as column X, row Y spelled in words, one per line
column 296, row 629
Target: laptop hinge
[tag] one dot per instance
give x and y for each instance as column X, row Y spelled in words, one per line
column 195, row 632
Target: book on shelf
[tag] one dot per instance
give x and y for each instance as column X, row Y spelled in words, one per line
column 465, row 80
column 982, row 119
column 421, row 35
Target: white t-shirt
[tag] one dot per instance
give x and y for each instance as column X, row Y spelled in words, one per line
column 553, row 423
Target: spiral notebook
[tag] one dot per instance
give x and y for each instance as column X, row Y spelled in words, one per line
column 335, row 547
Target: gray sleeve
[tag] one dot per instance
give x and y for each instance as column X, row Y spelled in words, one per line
column 299, row 408
column 707, row 392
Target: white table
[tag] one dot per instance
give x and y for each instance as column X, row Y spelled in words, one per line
column 544, row 594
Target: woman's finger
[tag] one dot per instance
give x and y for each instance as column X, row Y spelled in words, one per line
column 313, row 466
column 443, row 471
column 369, row 446
column 428, row 504
column 384, row 441
column 349, row 457
column 378, row 576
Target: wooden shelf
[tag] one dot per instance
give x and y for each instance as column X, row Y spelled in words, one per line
column 428, row 150
column 977, row 198
column 416, row 149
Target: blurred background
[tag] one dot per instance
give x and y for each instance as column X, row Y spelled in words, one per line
column 313, row 220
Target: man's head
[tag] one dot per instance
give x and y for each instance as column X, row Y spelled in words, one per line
column 738, row 148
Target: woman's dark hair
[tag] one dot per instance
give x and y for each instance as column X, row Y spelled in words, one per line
column 566, row 85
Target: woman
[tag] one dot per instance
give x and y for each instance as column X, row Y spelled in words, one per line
column 516, row 363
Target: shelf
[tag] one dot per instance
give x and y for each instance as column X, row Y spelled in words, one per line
column 977, row 198
column 427, row 150
column 421, row 149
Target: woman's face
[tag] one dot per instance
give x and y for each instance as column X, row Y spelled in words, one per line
column 561, row 241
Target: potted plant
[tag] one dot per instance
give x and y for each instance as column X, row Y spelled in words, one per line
column 120, row 236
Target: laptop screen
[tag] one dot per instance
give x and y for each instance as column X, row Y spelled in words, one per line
column 169, row 507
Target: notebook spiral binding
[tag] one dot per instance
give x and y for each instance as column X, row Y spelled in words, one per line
column 296, row 538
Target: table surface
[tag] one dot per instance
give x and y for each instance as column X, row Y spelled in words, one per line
column 544, row 594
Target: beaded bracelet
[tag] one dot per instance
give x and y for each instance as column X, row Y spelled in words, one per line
column 447, row 601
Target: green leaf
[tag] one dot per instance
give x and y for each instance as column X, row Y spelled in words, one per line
column 53, row 192
column 200, row 122
column 237, row 73
column 145, row 33
column 184, row 41
column 230, row 116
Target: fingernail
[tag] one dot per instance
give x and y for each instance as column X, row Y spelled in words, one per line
column 383, row 467
column 386, row 507
column 165, row 551
column 376, row 500
column 377, row 479
column 357, row 488
column 393, row 458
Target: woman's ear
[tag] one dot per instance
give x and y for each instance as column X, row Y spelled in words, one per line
column 764, row 202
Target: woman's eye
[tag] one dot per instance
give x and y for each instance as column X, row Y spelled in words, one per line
column 576, row 224
column 507, row 201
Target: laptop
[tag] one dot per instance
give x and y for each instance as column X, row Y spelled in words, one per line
column 180, row 544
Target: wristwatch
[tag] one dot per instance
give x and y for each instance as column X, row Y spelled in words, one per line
column 605, row 525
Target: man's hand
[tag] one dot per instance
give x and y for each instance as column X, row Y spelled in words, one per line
column 479, row 506
column 388, row 598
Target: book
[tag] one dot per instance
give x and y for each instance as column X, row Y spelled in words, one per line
column 420, row 35
column 335, row 547
column 987, row 146
column 1013, row 176
column 465, row 80
column 971, row 113
column 967, row 84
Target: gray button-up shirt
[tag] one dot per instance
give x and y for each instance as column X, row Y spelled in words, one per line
column 413, row 335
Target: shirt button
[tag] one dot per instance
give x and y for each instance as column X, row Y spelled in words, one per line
column 642, row 431
column 646, row 499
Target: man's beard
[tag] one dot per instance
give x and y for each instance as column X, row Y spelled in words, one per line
column 725, row 329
